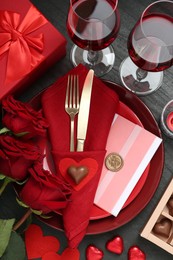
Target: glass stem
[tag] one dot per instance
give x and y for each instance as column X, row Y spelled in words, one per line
column 92, row 56
column 141, row 74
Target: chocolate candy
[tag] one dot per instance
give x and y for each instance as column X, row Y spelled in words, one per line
column 170, row 206
column 163, row 227
column 135, row 253
column 77, row 173
column 115, row 245
column 94, row 253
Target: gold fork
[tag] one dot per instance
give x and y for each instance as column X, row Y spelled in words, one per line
column 72, row 104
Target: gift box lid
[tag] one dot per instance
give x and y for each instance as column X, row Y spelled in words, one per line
column 29, row 45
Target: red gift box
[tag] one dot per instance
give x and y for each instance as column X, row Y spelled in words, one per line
column 29, row 44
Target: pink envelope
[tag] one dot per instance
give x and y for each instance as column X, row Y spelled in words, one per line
column 136, row 146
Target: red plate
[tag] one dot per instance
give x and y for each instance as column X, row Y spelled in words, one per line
column 149, row 187
column 96, row 212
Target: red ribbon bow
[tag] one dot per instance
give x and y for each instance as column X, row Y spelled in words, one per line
column 24, row 48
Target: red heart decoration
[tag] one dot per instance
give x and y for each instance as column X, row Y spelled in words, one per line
column 71, row 254
column 89, row 163
column 37, row 244
column 135, row 253
column 51, row 256
column 93, row 253
column 68, row 254
column 115, row 245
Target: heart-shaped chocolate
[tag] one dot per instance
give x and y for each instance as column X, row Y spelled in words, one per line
column 170, row 202
column 115, row 245
column 77, row 173
column 90, row 163
column 163, row 227
column 93, row 253
column 135, row 253
column 171, row 212
column 170, row 206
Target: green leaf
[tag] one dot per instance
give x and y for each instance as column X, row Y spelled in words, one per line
column 37, row 212
column 16, row 248
column 21, row 134
column 21, row 203
column 21, row 182
column 6, row 226
column 45, row 216
column 4, row 130
column 2, row 176
column 7, row 180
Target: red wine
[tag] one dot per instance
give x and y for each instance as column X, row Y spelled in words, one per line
column 150, row 46
column 93, row 24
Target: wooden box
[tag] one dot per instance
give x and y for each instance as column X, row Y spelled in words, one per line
column 159, row 228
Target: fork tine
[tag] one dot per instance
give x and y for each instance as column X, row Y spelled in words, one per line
column 74, row 91
column 67, row 92
column 71, row 92
column 77, row 91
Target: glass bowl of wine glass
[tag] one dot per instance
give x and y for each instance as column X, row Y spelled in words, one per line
column 150, row 47
column 93, row 25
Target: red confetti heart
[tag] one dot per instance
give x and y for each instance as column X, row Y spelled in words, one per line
column 71, row 254
column 37, row 244
column 51, row 256
column 89, row 163
column 93, row 253
column 68, row 254
column 135, row 253
column 115, row 245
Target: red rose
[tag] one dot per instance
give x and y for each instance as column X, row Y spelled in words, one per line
column 44, row 191
column 16, row 157
column 21, row 117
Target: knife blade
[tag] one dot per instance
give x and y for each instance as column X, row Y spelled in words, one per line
column 84, row 110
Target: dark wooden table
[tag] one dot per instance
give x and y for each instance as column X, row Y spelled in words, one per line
column 56, row 12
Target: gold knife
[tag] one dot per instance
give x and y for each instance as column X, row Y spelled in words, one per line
column 84, row 110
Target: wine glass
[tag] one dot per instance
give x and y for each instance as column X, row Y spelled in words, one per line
column 93, row 25
column 150, row 47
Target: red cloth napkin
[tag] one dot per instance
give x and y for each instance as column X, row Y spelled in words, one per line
column 104, row 104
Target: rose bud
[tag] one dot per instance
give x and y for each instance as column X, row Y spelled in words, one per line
column 44, row 191
column 16, row 157
column 22, row 118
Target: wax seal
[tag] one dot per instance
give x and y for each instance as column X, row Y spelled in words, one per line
column 114, row 162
